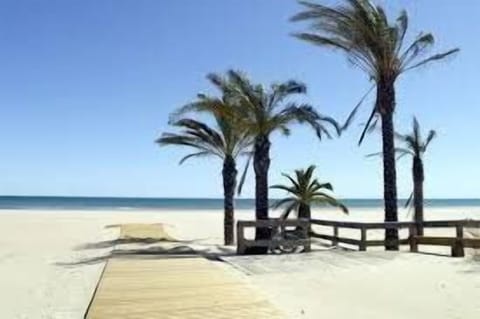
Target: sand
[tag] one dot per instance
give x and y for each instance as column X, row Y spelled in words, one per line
column 50, row 262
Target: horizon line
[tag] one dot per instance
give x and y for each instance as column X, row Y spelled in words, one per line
column 214, row 198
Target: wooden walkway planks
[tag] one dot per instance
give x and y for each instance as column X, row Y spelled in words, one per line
column 144, row 231
column 175, row 288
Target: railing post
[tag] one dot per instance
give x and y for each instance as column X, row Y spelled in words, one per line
column 363, row 239
column 306, row 230
column 240, row 239
column 458, row 248
column 412, row 240
column 335, row 234
column 459, row 229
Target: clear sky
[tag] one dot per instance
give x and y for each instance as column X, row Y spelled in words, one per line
column 87, row 85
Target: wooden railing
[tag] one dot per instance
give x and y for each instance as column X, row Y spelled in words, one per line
column 273, row 224
column 457, row 243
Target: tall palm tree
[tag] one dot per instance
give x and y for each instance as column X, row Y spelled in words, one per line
column 375, row 45
column 304, row 190
column 224, row 141
column 416, row 146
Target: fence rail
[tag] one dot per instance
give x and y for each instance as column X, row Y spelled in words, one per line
column 457, row 243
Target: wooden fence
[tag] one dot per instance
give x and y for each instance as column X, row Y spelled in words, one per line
column 273, row 224
column 457, row 243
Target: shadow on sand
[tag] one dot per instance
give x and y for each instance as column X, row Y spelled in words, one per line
column 148, row 248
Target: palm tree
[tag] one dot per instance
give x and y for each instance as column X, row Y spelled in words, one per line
column 416, row 146
column 223, row 141
column 263, row 111
column 305, row 190
column 375, row 45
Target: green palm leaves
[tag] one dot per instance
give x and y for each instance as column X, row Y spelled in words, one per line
column 261, row 110
column 363, row 31
column 304, row 190
column 413, row 143
column 219, row 142
column 224, row 139
column 371, row 42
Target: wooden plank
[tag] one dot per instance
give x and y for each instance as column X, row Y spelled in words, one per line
column 363, row 239
column 471, row 242
column 435, row 241
column 349, row 241
column 467, row 223
column 240, row 239
column 335, row 235
column 159, row 288
column 273, row 222
column 144, row 231
column 358, row 225
column 174, row 288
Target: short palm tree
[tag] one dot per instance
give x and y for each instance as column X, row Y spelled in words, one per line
column 263, row 111
column 223, row 141
column 304, row 190
column 375, row 45
column 416, row 146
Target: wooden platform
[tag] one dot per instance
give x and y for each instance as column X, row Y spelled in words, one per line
column 144, row 231
column 175, row 288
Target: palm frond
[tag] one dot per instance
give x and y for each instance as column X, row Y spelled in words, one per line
column 306, row 190
column 433, row 58
column 374, row 154
column 367, row 125
column 225, row 138
column 283, row 202
column 355, row 109
column 431, row 135
column 318, row 186
column 371, row 42
column 413, row 142
column 197, row 154
column 244, row 174
column 288, row 189
column 409, row 200
column 288, row 210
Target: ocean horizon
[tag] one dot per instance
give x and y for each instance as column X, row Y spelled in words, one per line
column 142, row 203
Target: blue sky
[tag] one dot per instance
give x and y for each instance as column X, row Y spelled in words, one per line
column 86, row 86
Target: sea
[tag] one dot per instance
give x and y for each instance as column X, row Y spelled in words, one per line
column 183, row 204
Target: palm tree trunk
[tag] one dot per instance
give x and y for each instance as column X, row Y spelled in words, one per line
column 418, row 177
column 229, row 174
column 304, row 212
column 386, row 106
column 261, row 165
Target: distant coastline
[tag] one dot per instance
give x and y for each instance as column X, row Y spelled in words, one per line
column 132, row 203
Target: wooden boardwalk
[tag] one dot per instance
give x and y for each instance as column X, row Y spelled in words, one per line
column 179, row 287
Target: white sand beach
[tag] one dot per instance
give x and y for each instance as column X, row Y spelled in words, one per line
column 47, row 270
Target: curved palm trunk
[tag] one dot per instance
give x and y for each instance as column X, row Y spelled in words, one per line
column 418, row 178
column 386, row 106
column 261, row 164
column 229, row 174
